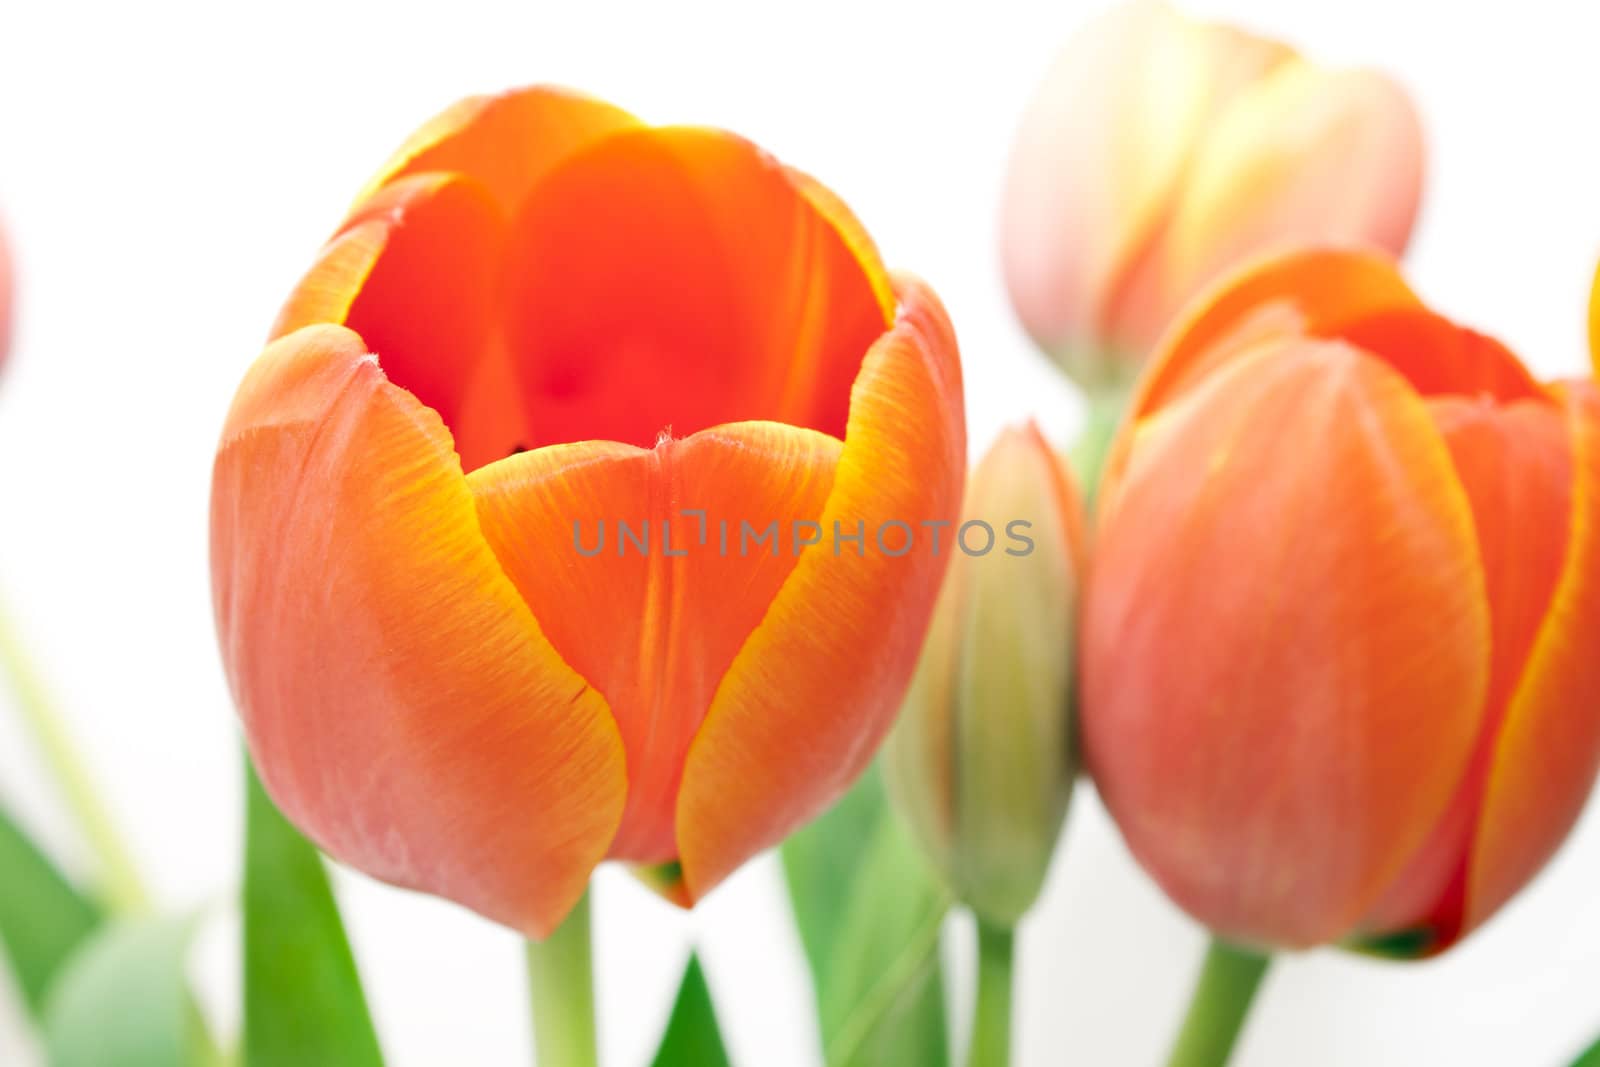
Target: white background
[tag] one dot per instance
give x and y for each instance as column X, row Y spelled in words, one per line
column 167, row 171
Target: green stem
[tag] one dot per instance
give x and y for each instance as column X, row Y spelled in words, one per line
column 991, row 1024
column 1228, row 982
column 1089, row 453
column 120, row 885
column 561, row 984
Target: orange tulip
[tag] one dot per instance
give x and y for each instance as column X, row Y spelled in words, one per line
column 542, row 321
column 1161, row 152
column 1338, row 647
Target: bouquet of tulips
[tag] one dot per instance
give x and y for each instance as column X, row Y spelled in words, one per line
column 600, row 495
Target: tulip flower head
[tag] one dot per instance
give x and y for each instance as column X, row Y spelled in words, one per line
column 983, row 757
column 516, row 522
column 1339, row 680
column 1160, row 152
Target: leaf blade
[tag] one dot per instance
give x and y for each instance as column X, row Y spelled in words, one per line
column 123, row 999
column 820, row 862
column 692, row 1037
column 869, row 914
column 303, row 1000
column 43, row 916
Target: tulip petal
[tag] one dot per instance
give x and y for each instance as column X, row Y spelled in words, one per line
column 399, row 699
column 1314, row 292
column 1089, row 187
column 505, row 142
column 814, row 689
column 1440, row 358
column 660, row 547
column 678, row 279
column 1309, row 608
column 838, row 214
column 383, row 276
column 1549, row 746
column 1514, row 461
column 1303, row 156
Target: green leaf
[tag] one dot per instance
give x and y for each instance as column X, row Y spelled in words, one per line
column 820, row 863
column 43, row 917
column 869, row 914
column 303, row 1001
column 692, row 1038
column 1591, row 1058
column 123, row 1000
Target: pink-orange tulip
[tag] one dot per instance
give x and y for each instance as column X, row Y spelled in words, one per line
column 545, row 320
column 1161, row 152
column 5, row 298
column 1339, row 667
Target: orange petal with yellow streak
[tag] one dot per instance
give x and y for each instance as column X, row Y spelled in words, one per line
column 1262, row 624
column 1545, row 761
column 415, row 273
column 1515, row 462
column 643, row 568
column 838, row 214
column 816, row 686
column 1313, row 292
column 400, row 702
column 505, row 142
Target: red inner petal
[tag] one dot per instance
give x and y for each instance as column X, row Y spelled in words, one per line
column 1439, row 358
column 677, row 279
column 655, row 280
column 428, row 306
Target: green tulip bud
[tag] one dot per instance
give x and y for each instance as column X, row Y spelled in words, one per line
column 982, row 760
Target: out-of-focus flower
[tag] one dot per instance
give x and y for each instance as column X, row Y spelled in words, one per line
column 1161, row 152
column 5, row 298
column 1339, row 679
column 510, row 522
column 983, row 758
column 1594, row 322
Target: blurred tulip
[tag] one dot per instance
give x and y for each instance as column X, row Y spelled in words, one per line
column 1594, row 322
column 5, row 298
column 1338, row 647
column 544, row 316
column 982, row 760
column 1161, row 152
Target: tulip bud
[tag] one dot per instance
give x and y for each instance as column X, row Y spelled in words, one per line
column 982, row 759
column 1160, row 152
column 1339, row 681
